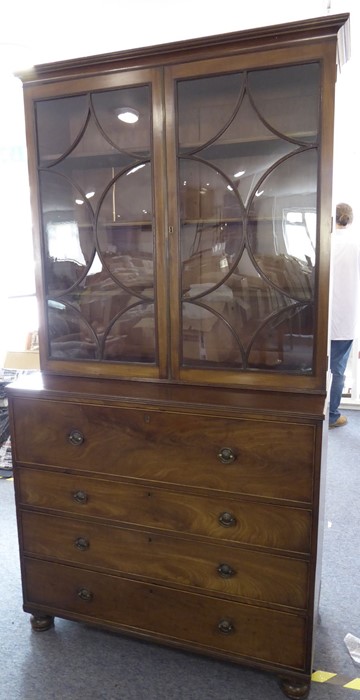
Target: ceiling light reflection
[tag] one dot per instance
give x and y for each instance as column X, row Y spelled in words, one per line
column 127, row 115
column 137, row 167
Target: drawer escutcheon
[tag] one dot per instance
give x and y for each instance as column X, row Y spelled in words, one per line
column 82, row 543
column 80, row 497
column 227, row 519
column 76, row 437
column 226, row 455
column 85, row 594
column 226, row 571
column 226, row 627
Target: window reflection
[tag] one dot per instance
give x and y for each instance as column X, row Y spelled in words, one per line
column 63, row 241
column 300, row 233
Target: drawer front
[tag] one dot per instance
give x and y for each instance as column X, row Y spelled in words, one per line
column 271, row 459
column 191, row 619
column 272, row 526
column 218, row 568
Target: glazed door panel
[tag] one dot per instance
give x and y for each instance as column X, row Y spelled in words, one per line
column 246, row 155
column 98, row 154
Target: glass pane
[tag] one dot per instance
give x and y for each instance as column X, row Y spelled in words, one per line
column 112, row 322
column 123, row 116
column 285, row 341
column 208, row 337
column 98, row 230
column 125, row 237
column 211, row 225
column 285, row 253
column 248, row 193
column 68, row 232
column 244, row 160
column 60, row 123
column 199, row 98
column 70, row 338
column 288, row 99
column 91, row 172
column 132, row 337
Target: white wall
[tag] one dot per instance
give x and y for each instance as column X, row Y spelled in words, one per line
column 70, row 29
column 74, row 29
column 347, row 120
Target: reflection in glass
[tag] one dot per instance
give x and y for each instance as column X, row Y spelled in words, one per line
column 207, row 332
column 247, row 163
column 300, row 233
column 70, row 337
column 292, row 182
column 288, row 99
column 284, row 341
column 127, row 137
column 60, row 123
column 132, row 336
column 197, row 98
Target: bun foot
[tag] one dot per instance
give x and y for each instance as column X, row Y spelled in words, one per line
column 41, row 623
column 293, row 688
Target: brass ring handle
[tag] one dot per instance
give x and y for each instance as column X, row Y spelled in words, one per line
column 82, row 543
column 226, row 571
column 227, row 519
column 85, row 594
column 225, row 627
column 80, row 497
column 76, row 437
column 226, row 455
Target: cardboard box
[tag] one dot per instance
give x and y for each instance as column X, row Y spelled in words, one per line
column 28, row 359
column 205, row 336
column 204, row 267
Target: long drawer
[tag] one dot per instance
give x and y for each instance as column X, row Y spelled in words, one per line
column 186, row 618
column 224, row 518
column 218, row 568
column 270, row 459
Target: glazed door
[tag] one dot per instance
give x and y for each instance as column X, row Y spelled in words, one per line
column 248, row 221
column 101, row 226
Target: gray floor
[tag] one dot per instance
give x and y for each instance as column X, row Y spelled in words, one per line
column 75, row 662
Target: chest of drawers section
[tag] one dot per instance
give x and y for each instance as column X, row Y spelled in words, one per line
column 193, row 529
